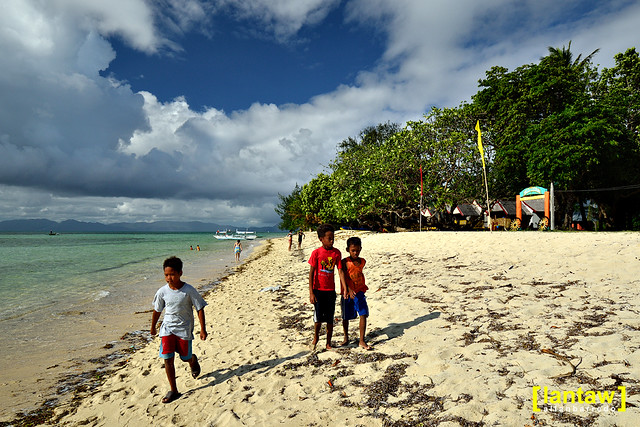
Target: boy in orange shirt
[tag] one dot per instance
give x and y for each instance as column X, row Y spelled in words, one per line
column 353, row 300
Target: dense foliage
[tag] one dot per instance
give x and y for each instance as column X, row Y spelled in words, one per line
column 555, row 121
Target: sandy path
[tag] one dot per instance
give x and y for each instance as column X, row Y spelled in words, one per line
column 464, row 326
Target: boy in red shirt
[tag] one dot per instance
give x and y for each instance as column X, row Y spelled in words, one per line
column 322, row 287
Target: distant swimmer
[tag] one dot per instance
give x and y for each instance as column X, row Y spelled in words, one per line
column 197, row 247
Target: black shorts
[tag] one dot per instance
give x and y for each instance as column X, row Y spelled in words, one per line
column 324, row 307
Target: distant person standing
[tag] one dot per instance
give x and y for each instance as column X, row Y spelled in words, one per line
column 300, row 237
column 290, row 236
column 237, row 248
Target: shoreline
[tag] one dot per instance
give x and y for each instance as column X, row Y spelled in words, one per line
column 72, row 379
column 463, row 325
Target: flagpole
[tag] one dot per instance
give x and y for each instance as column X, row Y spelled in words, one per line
column 484, row 172
column 420, row 209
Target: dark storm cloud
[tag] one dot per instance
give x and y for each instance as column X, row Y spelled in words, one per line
column 71, row 137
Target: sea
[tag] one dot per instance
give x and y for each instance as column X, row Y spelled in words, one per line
column 68, row 299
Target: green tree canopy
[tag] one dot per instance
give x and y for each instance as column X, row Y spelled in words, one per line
column 554, row 121
column 290, row 210
column 548, row 127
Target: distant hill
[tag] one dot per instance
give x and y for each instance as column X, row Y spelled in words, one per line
column 73, row 226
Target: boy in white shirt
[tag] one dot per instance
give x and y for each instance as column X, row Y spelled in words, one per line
column 178, row 299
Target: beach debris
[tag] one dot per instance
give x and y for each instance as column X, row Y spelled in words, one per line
column 534, row 422
column 379, row 391
column 528, row 342
column 563, row 359
column 271, row 288
column 294, row 322
column 311, row 360
column 41, row 415
column 470, row 337
column 456, row 267
column 372, row 357
column 574, row 420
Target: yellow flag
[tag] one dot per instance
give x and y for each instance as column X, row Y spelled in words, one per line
column 480, row 142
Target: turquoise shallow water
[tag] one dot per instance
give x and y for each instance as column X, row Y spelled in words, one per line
column 63, row 297
column 56, row 273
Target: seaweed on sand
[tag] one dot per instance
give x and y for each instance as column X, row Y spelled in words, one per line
column 311, row 360
column 297, row 321
column 379, row 391
column 83, row 384
column 569, row 418
column 527, row 342
column 377, row 357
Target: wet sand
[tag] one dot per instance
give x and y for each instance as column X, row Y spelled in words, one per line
column 88, row 341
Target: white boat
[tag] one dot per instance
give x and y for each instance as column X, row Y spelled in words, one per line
column 227, row 235
column 238, row 235
column 249, row 235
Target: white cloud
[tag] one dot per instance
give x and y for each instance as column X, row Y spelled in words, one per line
column 133, row 20
column 75, row 144
column 283, row 18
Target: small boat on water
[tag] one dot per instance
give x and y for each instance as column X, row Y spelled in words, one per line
column 238, row 235
column 249, row 235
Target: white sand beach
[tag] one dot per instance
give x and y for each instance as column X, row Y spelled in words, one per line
column 464, row 325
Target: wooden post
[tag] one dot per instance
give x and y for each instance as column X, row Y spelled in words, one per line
column 546, row 205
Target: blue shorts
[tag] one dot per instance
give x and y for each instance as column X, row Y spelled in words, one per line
column 171, row 343
column 324, row 307
column 351, row 307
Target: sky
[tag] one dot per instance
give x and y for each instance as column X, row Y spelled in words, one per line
column 207, row 110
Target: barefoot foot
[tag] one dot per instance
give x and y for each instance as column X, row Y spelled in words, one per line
column 366, row 346
column 171, row 396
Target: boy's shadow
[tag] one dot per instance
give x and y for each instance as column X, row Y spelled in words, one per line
column 221, row 375
column 394, row 330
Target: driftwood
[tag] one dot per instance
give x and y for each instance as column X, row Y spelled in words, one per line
column 563, row 359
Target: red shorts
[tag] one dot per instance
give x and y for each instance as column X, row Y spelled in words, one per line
column 171, row 344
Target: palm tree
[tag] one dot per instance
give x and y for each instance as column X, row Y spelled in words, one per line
column 562, row 57
column 562, row 78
